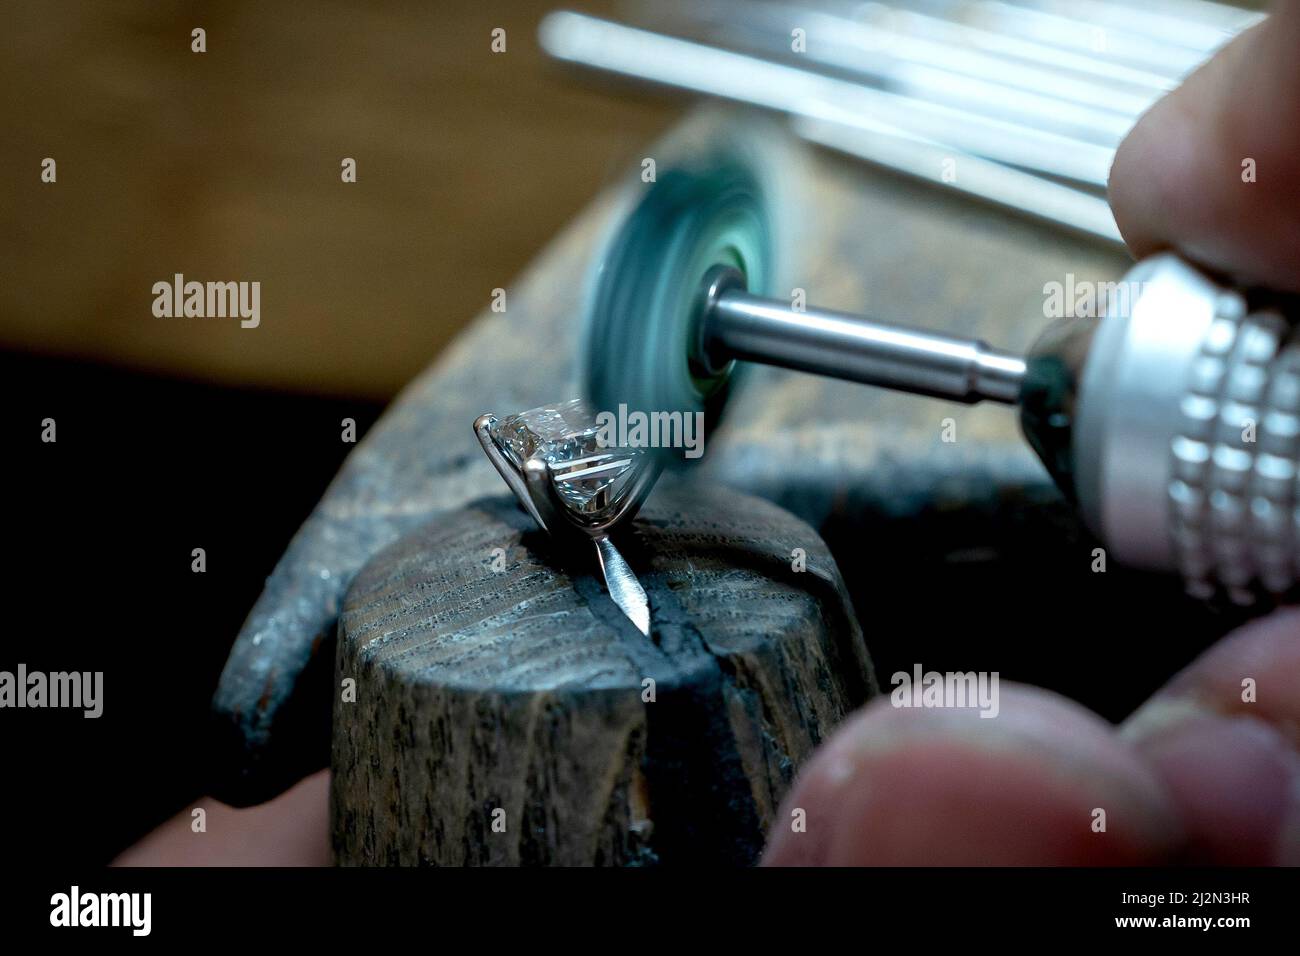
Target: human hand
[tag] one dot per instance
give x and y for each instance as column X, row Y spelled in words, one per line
column 1197, row 774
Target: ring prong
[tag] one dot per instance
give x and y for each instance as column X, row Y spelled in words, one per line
column 537, row 479
column 588, row 505
column 505, row 469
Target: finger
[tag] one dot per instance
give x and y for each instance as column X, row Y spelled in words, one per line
column 291, row 830
column 1180, row 179
column 937, row 786
column 1224, row 735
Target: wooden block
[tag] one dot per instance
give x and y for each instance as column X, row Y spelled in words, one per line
column 520, row 697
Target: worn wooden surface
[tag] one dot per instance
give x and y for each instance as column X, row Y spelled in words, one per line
column 518, row 696
column 957, row 554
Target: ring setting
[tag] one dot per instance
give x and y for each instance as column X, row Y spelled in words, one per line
column 575, row 485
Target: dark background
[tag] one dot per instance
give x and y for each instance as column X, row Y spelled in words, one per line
column 99, row 533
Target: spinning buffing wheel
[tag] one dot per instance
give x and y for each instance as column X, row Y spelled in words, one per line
column 723, row 209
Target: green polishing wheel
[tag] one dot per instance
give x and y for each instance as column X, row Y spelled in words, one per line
column 641, row 345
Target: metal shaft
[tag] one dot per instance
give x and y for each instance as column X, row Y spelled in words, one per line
column 898, row 132
column 744, row 326
column 719, row 72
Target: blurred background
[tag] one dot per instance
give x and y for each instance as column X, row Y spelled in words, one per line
column 226, row 165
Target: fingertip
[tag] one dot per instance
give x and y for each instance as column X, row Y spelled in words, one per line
column 1224, row 736
column 1044, row 782
column 290, row 830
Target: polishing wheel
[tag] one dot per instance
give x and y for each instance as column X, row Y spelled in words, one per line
column 718, row 213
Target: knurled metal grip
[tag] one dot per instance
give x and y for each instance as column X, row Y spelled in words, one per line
column 1188, row 434
column 1232, row 489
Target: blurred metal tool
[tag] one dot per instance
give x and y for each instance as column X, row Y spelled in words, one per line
column 1173, row 421
column 1169, row 42
column 1028, row 98
column 606, row 45
column 1069, row 97
column 1169, row 34
column 1006, row 38
column 1009, row 188
column 836, row 118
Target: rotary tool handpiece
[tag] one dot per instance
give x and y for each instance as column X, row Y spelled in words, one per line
column 1173, row 421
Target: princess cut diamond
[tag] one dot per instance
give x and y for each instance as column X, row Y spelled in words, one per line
column 588, row 474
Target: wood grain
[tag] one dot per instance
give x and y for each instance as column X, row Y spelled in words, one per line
column 523, row 690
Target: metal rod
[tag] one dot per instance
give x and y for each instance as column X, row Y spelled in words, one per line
column 1123, row 36
column 941, row 67
column 604, row 45
column 1196, row 29
column 850, row 347
column 978, row 178
column 647, row 55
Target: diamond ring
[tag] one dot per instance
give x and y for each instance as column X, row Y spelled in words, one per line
column 575, row 484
